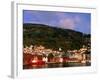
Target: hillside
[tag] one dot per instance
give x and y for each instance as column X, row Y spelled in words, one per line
column 52, row 37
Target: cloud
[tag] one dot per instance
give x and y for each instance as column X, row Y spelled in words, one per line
column 68, row 20
column 67, row 23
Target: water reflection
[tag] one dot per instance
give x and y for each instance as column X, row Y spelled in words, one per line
column 56, row 65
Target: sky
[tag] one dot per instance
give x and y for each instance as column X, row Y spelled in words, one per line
column 67, row 20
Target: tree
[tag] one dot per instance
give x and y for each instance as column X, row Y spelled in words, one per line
column 50, row 57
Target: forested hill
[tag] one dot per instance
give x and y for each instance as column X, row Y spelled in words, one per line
column 52, row 37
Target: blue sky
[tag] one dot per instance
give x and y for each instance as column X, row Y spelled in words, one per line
column 67, row 20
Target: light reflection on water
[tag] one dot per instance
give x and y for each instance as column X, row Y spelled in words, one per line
column 55, row 65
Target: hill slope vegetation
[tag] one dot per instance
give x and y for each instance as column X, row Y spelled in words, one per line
column 52, row 37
